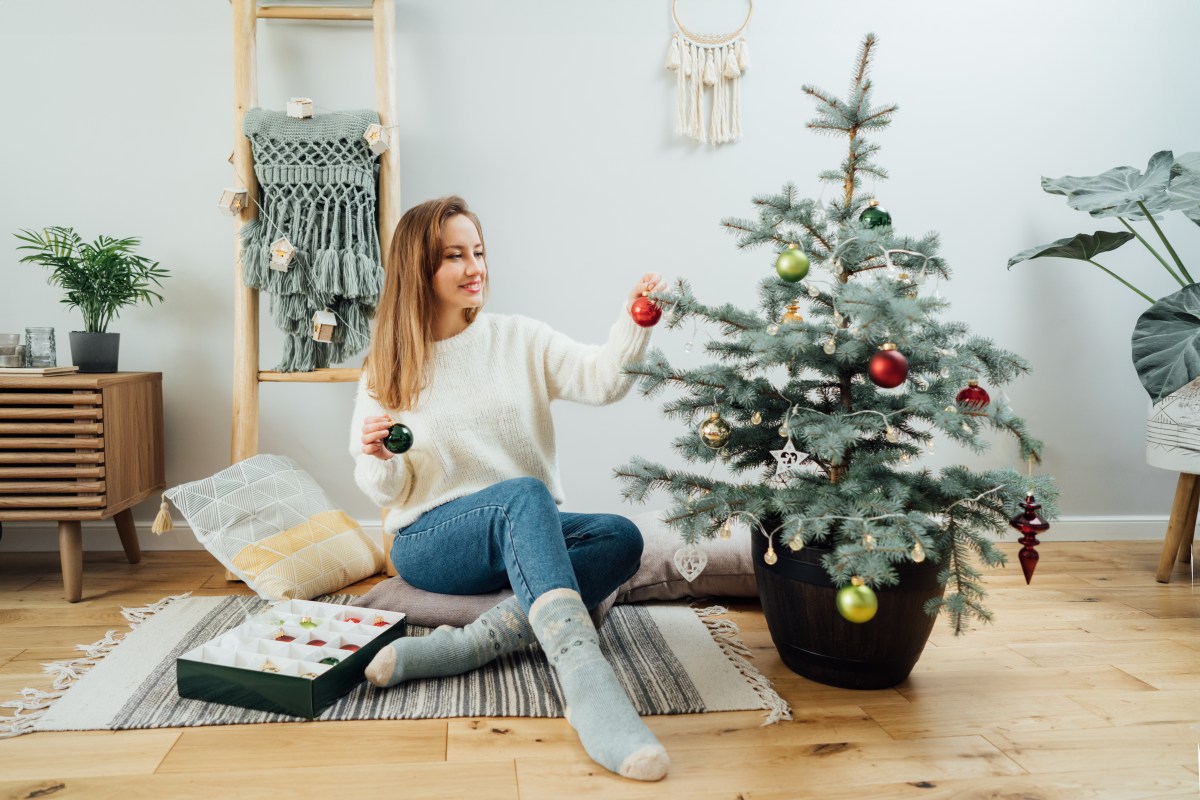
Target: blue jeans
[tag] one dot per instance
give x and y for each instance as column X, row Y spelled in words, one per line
column 512, row 534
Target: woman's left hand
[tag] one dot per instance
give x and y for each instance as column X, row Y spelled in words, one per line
column 650, row 282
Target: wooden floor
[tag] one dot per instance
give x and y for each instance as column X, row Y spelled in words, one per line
column 1087, row 686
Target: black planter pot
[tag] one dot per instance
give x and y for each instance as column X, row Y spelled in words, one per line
column 95, row 352
column 815, row 641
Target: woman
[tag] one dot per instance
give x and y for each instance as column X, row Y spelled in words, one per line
column 474, row 501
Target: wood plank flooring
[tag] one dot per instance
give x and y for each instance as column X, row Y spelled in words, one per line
column 1087, row 686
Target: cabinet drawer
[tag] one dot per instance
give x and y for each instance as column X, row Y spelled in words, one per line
column 51, row 451
column 78, row 447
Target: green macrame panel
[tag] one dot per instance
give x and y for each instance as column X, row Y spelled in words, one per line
column 316, row 180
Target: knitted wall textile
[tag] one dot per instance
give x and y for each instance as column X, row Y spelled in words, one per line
column 701, row 61
column 317, row 188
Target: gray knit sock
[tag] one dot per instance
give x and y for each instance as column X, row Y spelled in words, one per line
column 453, row 651
column 598, row 709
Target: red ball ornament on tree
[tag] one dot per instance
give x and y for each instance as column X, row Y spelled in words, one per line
column 888, row 368
column 1029, row 524
column 973, row 398
column 645, row 312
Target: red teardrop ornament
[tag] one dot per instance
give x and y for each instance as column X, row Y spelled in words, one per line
column 1029, row 524
column 888, row 368
column 974, row 397
column 645, row 312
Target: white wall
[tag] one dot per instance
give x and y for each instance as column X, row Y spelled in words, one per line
column 555, row 121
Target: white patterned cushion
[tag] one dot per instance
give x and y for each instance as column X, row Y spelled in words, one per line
column 270, row 524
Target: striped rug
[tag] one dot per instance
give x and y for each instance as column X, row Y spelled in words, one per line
column 671, row 659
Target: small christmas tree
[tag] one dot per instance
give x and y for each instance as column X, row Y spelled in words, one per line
column 833, row 391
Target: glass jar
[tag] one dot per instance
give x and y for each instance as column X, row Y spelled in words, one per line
column 39, row 348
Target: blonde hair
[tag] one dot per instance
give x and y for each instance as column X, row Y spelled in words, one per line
column 397, row 364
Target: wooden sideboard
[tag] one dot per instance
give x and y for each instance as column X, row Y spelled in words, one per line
column 80, row 447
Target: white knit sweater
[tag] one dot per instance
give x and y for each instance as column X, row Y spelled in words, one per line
column 484, row 416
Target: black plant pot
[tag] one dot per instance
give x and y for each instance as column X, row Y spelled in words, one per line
column 95, row 352
column 814, row 640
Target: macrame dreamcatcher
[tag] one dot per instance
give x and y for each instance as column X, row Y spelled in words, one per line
column 701, row 61
column 314, row 246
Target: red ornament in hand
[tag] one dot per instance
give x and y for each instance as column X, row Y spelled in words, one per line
column 645, row 312
column 1029, row 524
column 973, row 398
column 888, row 368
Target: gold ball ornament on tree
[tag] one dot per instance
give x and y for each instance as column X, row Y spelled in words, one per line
column 857, row 602
column 715, row 432
column 792, row 264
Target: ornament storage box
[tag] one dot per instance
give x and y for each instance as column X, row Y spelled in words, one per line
column 294, row 657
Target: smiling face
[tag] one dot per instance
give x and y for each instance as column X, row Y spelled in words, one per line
column 460, row 277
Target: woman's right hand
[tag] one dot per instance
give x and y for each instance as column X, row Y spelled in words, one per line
column 375, row 430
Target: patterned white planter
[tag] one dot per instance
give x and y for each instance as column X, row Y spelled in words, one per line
column 1173, row 431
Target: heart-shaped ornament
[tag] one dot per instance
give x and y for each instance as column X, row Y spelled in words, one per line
column 690, row 561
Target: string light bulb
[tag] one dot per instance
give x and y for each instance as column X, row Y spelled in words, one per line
column 918, row 552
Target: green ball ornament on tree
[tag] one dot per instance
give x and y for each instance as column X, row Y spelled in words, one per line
column 875, row 215
column 857, row 602
column 792, row 264
column 399, row 439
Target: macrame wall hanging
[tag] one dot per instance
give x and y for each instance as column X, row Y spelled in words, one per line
column 314, row 246
column 703, row 61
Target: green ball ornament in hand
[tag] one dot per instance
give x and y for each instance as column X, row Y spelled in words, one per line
column 857, row 602
column 792, row 264
column 399, row 439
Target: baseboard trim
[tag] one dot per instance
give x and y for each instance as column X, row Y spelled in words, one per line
column 102, row 536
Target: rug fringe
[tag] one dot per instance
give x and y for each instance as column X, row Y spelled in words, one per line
column 35, row 702
column 727, row 635
column 138, row 615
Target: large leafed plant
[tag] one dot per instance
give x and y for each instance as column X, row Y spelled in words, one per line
column 1166, row 339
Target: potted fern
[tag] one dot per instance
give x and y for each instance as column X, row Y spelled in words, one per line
column 99, row 278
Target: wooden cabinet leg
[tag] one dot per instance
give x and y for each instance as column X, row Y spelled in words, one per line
column 128, row 533
column 1182, row 524
column 70, row 552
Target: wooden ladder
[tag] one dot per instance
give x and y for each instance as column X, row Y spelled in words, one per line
column 246, row 13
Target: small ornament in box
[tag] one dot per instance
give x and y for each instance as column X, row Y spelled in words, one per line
column 294, row 657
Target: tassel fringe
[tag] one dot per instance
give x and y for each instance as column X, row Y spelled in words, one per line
column 162, row 521
column 727, row 636
column 698, row 67
column 34, row 703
